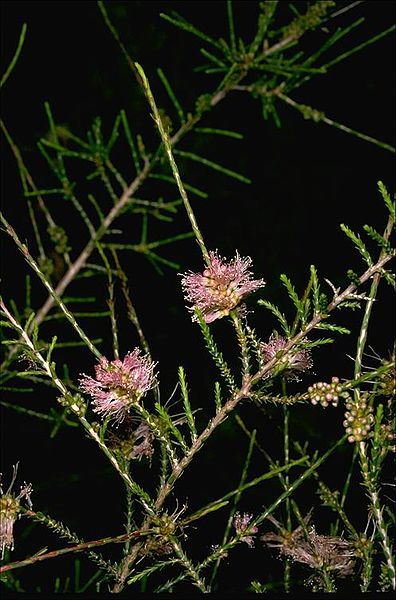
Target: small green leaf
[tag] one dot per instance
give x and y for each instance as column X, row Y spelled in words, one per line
column 387, row 199
column 330, row 327
column 215, row 352
column 225, row 132
column 171, row 95
column 212, row 165
column 292, row 292
column 186, row 403
column 178, row 21
column 278, row 314
column 358, row 242
column 378, row 238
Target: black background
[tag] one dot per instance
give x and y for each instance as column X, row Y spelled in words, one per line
column 307, row 178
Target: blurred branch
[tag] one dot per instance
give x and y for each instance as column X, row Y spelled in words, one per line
column 14, row 59
column 78, row 548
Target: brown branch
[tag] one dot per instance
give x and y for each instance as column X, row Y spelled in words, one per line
column 78, row 548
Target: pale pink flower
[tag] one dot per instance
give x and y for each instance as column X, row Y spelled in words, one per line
column 241, row 524
column 119, row 384
column 145, row 447
column 10, row 511
column 290, row 362
column 317, row 551
column 130, row 441
column 221, row 286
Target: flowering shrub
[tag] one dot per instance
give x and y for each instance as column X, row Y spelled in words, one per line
column 262, row 412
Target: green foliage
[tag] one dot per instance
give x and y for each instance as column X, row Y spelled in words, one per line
column 331, row 327
column 359, row 244
column 171, row 95
column 378, row 238
column 217, row 395
column 388, row 202
column 187, row 406
column 283, row 70
column 275, row 311
column 212, row 165
column 168, row 425
column 310, row 20
column 215, row 353
column 14, row 59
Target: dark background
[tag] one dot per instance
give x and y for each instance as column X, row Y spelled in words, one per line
column 307, row 178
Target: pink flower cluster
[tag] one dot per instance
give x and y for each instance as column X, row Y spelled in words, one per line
column 241, row 524
column 221, row 286
column 334, row 553
column 10, row 511
column 291, row 361
column 119, row 384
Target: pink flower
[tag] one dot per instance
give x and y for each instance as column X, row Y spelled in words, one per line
column 130, row 441
column 221, row 286
column 241, row 524
column 317, row 551
column 293, row 360
column 119, row 384
column 145, row 447
column 9, row 512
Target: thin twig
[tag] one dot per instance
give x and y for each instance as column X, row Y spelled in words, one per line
column 78, row 548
